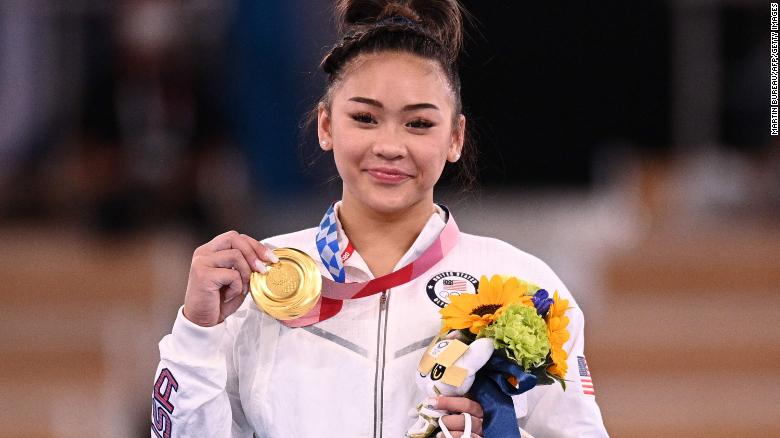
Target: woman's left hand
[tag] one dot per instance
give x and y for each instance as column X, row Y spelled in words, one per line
column 456, row 422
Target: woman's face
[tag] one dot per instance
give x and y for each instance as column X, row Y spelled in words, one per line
column 390, row 127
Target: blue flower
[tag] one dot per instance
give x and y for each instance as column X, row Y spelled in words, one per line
column 542, row 302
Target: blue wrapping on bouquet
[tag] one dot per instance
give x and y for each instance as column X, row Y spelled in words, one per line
column 492, row 390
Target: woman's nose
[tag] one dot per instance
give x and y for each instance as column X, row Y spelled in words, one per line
column 389, row 144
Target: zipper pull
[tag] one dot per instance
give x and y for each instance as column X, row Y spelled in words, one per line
column 383, row 300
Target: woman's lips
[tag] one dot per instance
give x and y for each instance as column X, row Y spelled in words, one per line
column 388, row 176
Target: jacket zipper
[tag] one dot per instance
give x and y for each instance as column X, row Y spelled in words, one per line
column 379, row 379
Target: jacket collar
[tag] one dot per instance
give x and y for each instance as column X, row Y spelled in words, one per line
column 356, row 268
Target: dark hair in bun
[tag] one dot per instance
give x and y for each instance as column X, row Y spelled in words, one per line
column 432, row 29
column 429, row 28
column 439, row 20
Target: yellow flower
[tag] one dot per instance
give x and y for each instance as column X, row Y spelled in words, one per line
column 475, row 311
column 527, row 287
column 557, row 323
column 559, row 366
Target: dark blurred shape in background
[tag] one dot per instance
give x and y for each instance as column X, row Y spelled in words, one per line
column 626, row 143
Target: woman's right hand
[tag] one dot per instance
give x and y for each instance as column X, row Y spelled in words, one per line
column 219, row 276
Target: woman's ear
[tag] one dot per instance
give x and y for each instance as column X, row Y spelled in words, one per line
column 458, row 137
column 323, row 127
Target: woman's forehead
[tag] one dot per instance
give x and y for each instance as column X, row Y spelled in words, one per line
column 395, row 79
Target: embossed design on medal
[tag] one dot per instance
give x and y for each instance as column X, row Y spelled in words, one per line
column 291, row 288
column 283, row 280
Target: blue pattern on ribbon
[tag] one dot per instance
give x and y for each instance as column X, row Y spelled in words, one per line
column 492, row 390
column 328, row 245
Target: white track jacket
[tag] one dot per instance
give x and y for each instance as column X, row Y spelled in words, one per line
column 351, row 375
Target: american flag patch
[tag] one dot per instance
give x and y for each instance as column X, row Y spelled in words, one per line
column 585, row 379
column 453, row 285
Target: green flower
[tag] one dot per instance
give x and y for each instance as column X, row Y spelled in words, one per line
column 523, row 333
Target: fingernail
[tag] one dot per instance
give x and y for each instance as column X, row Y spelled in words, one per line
column 272, row 257
column 260, row 267
column 431, row 402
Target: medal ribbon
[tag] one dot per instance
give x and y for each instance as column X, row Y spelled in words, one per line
column 335, row 292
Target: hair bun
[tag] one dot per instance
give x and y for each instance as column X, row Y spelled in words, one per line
column 440, row 19
column 393, row 9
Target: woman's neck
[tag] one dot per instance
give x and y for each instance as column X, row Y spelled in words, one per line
column 380, row 238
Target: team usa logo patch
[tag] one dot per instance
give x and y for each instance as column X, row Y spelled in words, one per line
column 446, row 284
column 585, row 379
column 162, row 407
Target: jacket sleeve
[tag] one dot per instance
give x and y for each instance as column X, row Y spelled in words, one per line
column 195, row 391
column 553, row 412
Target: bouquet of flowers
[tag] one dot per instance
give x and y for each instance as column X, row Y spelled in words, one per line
column 527, row 329
column 527, row 326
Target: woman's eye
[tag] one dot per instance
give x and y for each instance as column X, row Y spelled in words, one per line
column 420, row 123
column 363, row 118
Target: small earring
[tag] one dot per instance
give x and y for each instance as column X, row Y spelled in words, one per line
column 457, row 157
column 324, row 143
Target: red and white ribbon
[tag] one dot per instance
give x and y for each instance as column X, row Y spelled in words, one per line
column 334, row 293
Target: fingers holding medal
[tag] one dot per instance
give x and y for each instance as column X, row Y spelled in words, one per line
column 220, row 272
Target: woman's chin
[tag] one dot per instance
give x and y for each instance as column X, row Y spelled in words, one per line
column 389, row 203
column 388, row 206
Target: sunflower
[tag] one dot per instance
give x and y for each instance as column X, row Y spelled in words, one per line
column 475, row 311
column 558, row 334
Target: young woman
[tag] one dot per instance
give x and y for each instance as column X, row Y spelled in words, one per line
column 391, row 116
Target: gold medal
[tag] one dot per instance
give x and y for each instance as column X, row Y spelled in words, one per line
column 290, row 288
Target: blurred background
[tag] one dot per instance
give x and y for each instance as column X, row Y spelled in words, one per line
column 625, row 143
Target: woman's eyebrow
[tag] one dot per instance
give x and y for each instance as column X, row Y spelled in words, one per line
column 378, row 104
